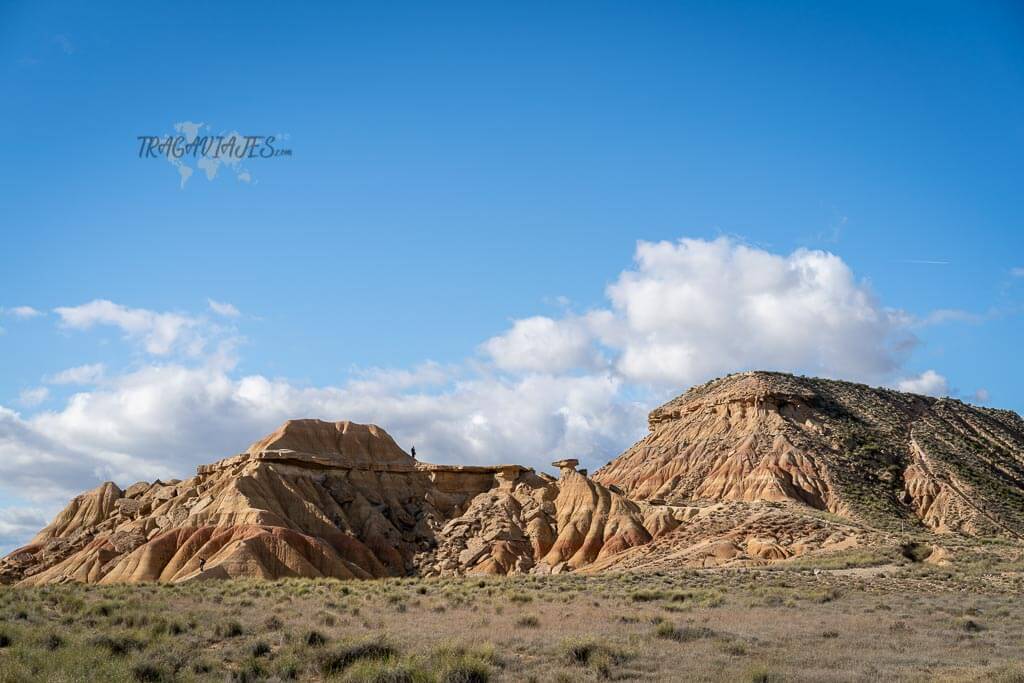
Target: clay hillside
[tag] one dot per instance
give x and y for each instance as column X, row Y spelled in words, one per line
column 753, row 468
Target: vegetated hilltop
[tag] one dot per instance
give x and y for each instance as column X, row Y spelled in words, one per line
column 749, row 469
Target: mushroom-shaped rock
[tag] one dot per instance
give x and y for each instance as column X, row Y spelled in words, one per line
column 566, row 466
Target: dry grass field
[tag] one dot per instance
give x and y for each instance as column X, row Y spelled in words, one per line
column 891, row 622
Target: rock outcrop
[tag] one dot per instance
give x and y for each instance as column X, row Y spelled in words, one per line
column 753, row 468
column 876, row 456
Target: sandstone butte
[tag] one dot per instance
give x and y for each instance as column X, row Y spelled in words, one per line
column 749, row 469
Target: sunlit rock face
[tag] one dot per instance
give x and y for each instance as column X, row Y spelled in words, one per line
column 753, row 468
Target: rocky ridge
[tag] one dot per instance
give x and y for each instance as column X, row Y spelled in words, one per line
column 878, row 457
column 753, row 468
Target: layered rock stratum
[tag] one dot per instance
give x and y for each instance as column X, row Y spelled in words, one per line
column 752, row 468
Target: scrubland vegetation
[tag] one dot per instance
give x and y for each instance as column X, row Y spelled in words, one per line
column 894, row 622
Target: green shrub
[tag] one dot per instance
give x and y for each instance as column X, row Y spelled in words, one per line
column 117, row 645
column 251, row 672
column 230, row 629
column 458, row 664
column 150, row 673
column 468, row 670
column 648, row 596
column 971, row 626
column 760, row 674
column 669, row 631
column 388, row 670
column 315, row 639
column 586, row 652
column 338, row 660
column 916, row 552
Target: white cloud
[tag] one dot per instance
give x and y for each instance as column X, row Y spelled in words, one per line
column 39, row 467
column 541, row 344
column 82, row 374
column 928, row 382
column 160, row 333
column 34, row 396
column 982, row 396
column 19, row 524
column 225, row 309
column 23, row 312
column 694, row 309
column 1017, row 272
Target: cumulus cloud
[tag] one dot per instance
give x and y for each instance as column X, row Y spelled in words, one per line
column 541, row 344
column 159, row 333
column 224, row 309
column 928, row 382
column 982, row 396
column 693, row 309
column 41, row 468
column 82, row 374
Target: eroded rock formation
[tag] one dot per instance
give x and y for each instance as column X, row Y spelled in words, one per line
column 751, row 468
column 876, row 456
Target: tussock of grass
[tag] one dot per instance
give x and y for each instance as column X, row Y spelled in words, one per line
column 339, row 659
column 315, row 639
column 648, row 596
column 229, row 629
column 670, row 631
column 600, row 657
column 762, row 674
column 150, row 673
column 118, row 645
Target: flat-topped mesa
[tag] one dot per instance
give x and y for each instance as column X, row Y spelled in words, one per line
column 324, row 445
column 878, row 456
column 757, row 390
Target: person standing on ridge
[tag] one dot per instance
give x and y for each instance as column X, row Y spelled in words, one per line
column 412, row 451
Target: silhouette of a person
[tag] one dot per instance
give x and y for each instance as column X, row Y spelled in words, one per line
column 413, row 451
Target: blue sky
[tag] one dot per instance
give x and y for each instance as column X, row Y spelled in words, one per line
column 459, row 170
